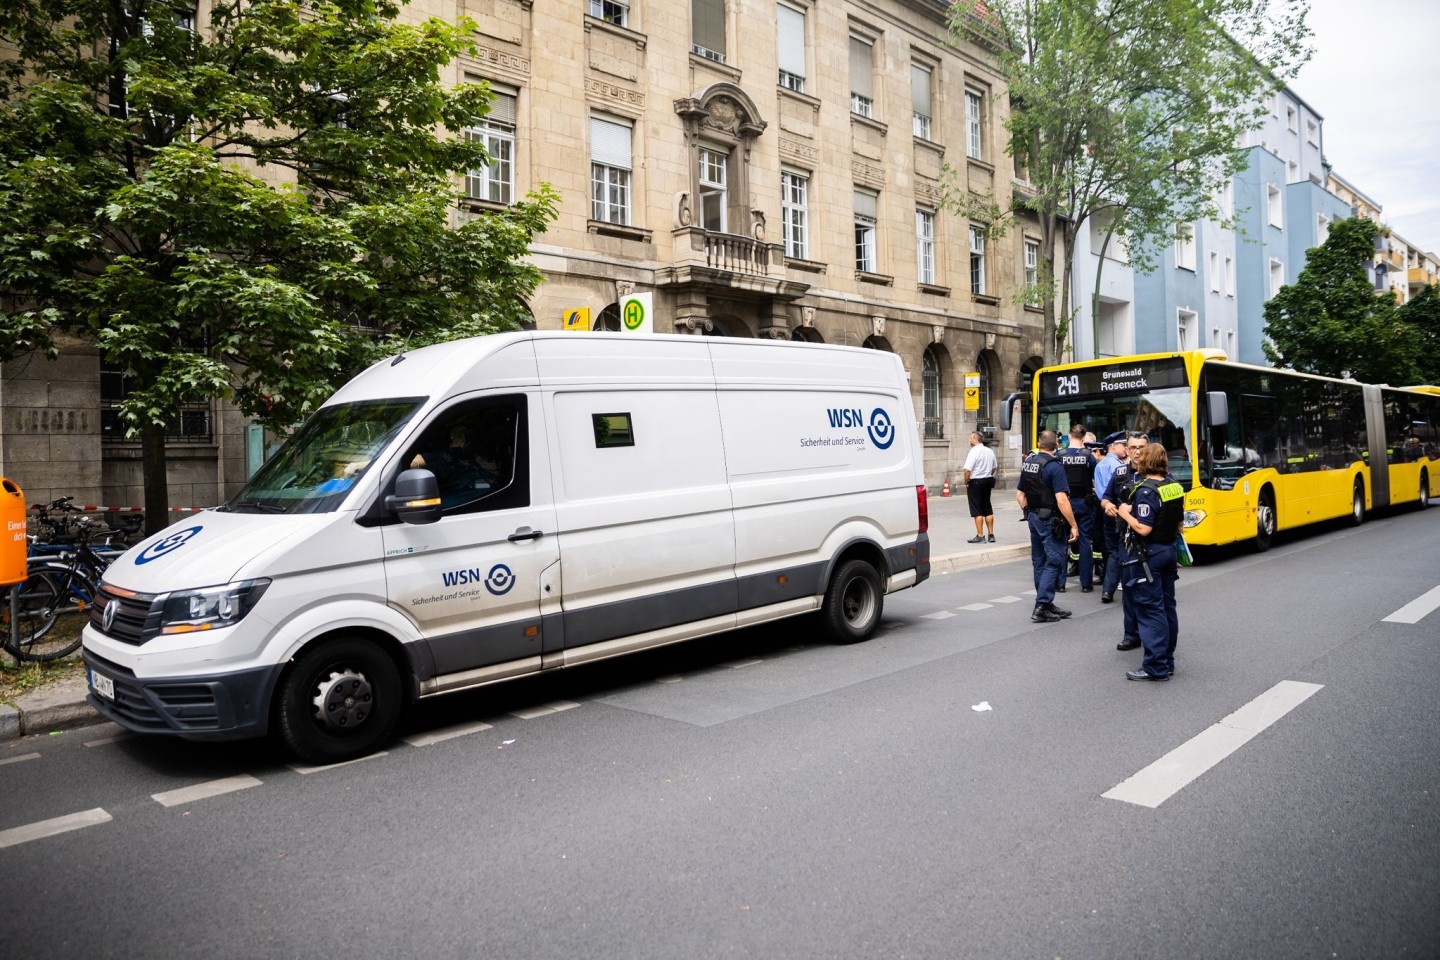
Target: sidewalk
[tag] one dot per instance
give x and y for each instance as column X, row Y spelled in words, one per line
column 61, row 705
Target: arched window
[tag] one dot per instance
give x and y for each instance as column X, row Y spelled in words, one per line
column 932, row 394
column 608, row 319
column 982, row 413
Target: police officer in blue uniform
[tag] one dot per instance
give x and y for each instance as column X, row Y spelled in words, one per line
column 1080, row 475
column 1107, row 536
column 1044, row 496
column 1116, row 493
column 1153, row 517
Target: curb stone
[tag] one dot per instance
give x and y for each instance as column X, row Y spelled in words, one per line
column 62, row 706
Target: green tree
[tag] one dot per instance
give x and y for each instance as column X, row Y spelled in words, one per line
column 1332, row 322
column 255, row 207
column 1421, row 316
column 1126, row 110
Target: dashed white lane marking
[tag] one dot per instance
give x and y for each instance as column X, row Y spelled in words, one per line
column 1006, row 599
column 544, row 709
column 976, row 606
column 49, row 828
column 1417, row 609
column 202, row 791
column 1165, row 777
column 449, row 733
column 303, row 770
column 23, row 756
column 669, row 679
column 939, row 615
column 743, row 663
column 115, row 739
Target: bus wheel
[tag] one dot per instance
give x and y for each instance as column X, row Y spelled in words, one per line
column 853, row 603
column 1265, row 521
column 1357, row 504
column 339, row 700
column 1424, row 489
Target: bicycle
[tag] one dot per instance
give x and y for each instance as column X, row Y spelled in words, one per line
column 50, row 608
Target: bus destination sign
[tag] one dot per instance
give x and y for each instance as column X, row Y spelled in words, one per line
column 1129, row 378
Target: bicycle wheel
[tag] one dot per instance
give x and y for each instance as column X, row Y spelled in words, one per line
column 50, row 609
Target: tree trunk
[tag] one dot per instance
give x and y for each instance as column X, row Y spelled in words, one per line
column 157, row 486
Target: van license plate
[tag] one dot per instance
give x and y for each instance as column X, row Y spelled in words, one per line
column 102, row 685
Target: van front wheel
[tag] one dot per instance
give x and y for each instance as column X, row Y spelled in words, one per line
column 339, row 700
column 853, row 603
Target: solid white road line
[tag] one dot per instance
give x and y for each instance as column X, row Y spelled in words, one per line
column 1417, row 609
column 941, row 615
column 202, row 791
column 303, row 770
column 449, row 733
column 23, row 756
column 48, row 828
column 545, row 709
column 115, row 739
column 1165, row 777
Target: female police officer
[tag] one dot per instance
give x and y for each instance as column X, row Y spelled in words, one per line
column 1153, row 515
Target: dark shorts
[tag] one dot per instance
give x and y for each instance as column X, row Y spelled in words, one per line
column 977, row 491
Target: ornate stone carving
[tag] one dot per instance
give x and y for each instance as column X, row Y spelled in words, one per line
column 759, row 216
column 807, row 316
column 500, row 58
column 877, row 325
column 937, row 332
column 683, row 217
column 989, row 341
column 623, row 288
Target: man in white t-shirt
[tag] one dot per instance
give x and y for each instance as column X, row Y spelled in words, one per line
column 979, row 481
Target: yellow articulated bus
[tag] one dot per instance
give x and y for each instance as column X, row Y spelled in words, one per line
column 1259, row 450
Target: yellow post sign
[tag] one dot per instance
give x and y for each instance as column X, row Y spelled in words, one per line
column 972, row 391
column 577, row 319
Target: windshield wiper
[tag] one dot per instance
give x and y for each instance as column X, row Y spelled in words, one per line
column 258, row 506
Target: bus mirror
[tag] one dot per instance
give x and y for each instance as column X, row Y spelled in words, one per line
column 1218, row 406
column 1007, row 409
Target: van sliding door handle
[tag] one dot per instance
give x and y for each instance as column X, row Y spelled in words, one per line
column 519, row 535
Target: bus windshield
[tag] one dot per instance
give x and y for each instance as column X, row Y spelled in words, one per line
column 324, row 459
column 1151, row 396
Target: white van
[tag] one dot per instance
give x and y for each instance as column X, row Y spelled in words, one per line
column 496, row 507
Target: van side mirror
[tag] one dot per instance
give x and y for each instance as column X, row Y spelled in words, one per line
column 1218, row 406
column 1007, row 408
column 416, row 498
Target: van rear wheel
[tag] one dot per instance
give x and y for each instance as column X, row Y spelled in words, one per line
column 339, row 700
column 853, row 603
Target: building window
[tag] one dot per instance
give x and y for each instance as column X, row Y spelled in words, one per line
column 713, row 201
column 1290, row 119
column 932, row 395
column 1186, row 321
column 1293, row 169
column 1185, row 246
column 1312, row 133
column 1214, row 336
column 925, row 245
column 610, row 170
column 862, row 76
column 1322, row 229
column 794, row 205
column 1229, row 277
column 1275, row 211
column 1227, row 199
column 1230, row 344
column 867, row 204
column 1214, row 272
column 920, row 76
column 707, row 29
column 193, row 424
column 611, row 11
column 977, row 260
column 1032, row 273
column 982, row 412
column 974, row 141
column 790, row 46
column 1277, row 276
column 496, row 133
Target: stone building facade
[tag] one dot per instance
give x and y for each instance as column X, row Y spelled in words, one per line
column 763, row 168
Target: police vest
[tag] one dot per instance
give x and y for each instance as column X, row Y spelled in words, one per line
column 1124, row 483
column 1079, row 472
column 1164, row 528
column 1038, row 494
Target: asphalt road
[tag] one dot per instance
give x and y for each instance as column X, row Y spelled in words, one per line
column 763, row 794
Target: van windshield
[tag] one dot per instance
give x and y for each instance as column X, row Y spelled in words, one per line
column 325, row 458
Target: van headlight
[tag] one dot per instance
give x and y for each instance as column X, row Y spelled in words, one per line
column 210, row 608
column 1193, row 518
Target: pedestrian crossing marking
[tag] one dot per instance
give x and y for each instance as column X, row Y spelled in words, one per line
column 976, row 606
column 1006, row 599
column 941, row 615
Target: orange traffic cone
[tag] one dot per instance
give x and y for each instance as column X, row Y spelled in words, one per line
column 945, row 490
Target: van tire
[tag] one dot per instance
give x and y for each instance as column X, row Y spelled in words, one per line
column 355, row 683
column 853, row 603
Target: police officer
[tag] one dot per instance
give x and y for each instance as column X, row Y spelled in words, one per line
column 1107, row 535
column 1044, row 496
column 1153, row 516
column 1080, row 475
column 1116, row 493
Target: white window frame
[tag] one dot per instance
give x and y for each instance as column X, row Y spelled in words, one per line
column 789, row 53
column 1322, row 229
column 1187, row 324
column 925, row 245
column 974, row 124
column 1274, row 206
column 862, row 102
column 609, row 172
column 922, row 108
column 978, row 284
column 611, row 11
column 1292, row 120
column 867, row 205
column 1032, row 272
column 1229, row 277
column 1277, row 276
column 795, row 212
column 1185, row 246
column 713, row 165
column 699, row 29
column 1312, row 132
column 495, row 182
column 1214, row 272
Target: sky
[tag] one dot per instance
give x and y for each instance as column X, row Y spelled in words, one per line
column 1375, row 78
